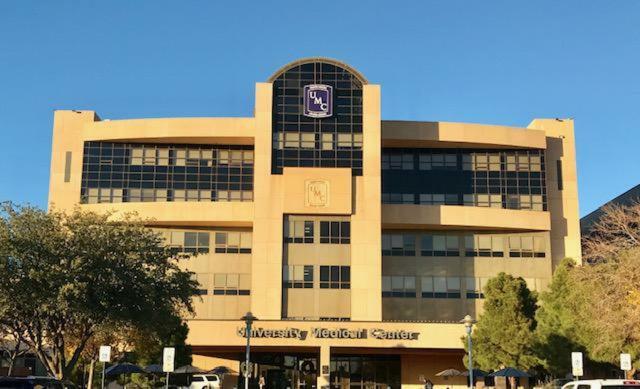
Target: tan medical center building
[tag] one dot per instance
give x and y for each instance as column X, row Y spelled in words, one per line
column 359, row 243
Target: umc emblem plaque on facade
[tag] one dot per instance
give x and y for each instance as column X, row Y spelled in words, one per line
column 318, row 101
column 317, row 193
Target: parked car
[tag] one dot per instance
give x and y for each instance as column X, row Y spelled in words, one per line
column 204, row 381
column 557, row 383
column 30, row 382
column 602, row 384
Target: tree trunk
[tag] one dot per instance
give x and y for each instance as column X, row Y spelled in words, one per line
column 92, row 366
column 13, row 356
column 12, row 361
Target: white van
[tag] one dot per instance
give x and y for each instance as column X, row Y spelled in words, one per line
column 205, row 381
column 603, row 384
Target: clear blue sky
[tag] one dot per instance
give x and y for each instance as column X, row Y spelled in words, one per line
column 500, row 62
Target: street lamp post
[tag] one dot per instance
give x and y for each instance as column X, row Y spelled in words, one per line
column 468, row 324
column 248, row 320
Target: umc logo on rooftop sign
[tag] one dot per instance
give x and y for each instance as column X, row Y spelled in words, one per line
column 318, row 101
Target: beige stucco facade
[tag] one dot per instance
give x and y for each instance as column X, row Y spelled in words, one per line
column 333, row 194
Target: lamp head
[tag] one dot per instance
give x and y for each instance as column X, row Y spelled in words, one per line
column 468, row 321
column 248, row 318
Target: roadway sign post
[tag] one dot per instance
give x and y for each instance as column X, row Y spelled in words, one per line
column 104, row 356
column 625, row 363
column 168, row 358
column 576, row 364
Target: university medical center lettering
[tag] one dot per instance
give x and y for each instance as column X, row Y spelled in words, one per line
column 289, row 333
column 330, row 333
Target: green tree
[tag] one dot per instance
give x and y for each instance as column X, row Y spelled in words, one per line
column 610, row 305
column 557, row 331
column 504, row 334
column 608, row 310
column 66, row 276
column 147, row 348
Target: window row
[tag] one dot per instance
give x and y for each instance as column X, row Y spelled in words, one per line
column 302, row 276
column 507, row 201
column 318, row 158
column 425, row 159
column 432, row 287
column 226, row 242
column 313, row 141
column 167, row 155
column 114, row 195
column 442, row 287
column 115, row 172
column 164, row 156
column 477, row 245
column 302, row 231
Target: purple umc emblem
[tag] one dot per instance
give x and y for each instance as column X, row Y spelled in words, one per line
column 318, row 101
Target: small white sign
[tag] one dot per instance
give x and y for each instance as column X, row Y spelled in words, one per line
column 625, row 362
column 576, row 364
column 105, row 354
column 168, row 357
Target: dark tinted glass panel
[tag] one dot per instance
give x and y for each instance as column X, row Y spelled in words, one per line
column 133, row 172
column 302, row 141
column 324, row 273
column 514, row 179
column 346, row 273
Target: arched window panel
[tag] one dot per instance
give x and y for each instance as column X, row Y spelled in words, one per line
column 317, row 115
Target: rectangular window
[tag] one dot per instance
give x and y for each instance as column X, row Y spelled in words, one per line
column 196, row 242
column 233, row 242
column 335, row 277
column 399, row 286
column 67, row 166
column 474, row 286
column 484, row 200
column 467, row 162
column 337, row 232
column 399, row 244
column 484, row 245
column 397, row 161
column 438, row 199
column 203, row 283
column 437, row 161
column 292, row 140
column 398, row 198
column 103, row 195
column 440, row 287
column 307, row 140
column 439, row 245
column 232, row 284
column 559, row 174
column 527, row 247
column 327, row 142
column 297, row 276
column 298, row 231
column 345, row 141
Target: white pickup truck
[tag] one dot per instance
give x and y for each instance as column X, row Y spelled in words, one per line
column 205, row 381
column 602, row 384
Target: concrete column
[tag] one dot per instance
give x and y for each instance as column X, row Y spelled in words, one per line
column 67, row 138
column 366, row 227
column 266, row 257
column 325, row 359
column 562, row 200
